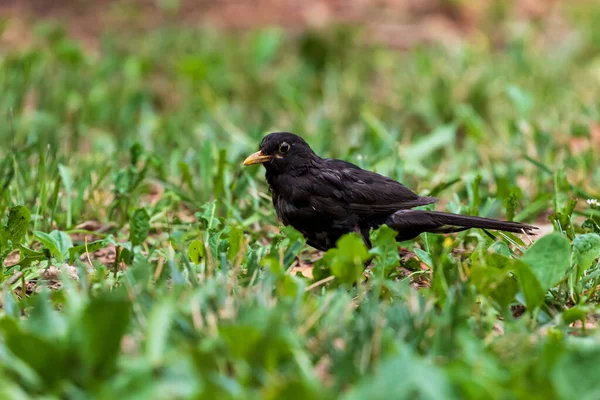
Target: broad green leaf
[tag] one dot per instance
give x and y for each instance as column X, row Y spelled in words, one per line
column 404, row 377
column 297, row 388
column 177, row 276
column 296, row 243
column 289, row 286
column 44, row 320
column 236, row 238
column 530, row 286
column 193, row 65
column 231, row 335
column 491, row 273
column 209, row 216
column 214, row 242
column 346, row 260
column 500, row 248
column 385, row 248
column 10, row 305
column 272, row 264
column 91, row 247
column 424, row 256
column 196, row 251
column 101, row 328
column 18, row 221
column 589, row 223
column 27, row 256
column 586, row 249
column 549, row 259
column 121, row 181
column 64, row 242
column 159, row 325
column 46, row 357
column 125, row 254
column 576, row 373
column 139, row 226
column 573, row 314
column 57, row 242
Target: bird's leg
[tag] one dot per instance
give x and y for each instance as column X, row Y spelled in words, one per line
column 364, row 232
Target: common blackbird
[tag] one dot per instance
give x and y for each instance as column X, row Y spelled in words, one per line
column 325, row 198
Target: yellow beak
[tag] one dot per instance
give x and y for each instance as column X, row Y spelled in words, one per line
column 257, row 158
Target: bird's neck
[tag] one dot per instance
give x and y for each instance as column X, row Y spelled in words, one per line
column 275, row 179
column 280, row 179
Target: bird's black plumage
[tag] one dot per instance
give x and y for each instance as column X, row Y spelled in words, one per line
column 326, row 198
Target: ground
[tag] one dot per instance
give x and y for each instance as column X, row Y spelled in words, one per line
column 397, row 23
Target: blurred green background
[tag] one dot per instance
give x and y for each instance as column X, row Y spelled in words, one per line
column 139, row 259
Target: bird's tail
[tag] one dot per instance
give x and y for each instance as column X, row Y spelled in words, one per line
column 411, row 223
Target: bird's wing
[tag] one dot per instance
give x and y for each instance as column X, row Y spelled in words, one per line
column 339, row 184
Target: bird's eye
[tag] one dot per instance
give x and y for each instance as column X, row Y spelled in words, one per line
column 284, row 147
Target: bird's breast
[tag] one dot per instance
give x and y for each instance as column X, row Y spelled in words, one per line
column 285, row 209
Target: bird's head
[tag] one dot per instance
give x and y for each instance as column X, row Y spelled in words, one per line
column 279, row 151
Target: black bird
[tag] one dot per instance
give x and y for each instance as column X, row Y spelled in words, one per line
column 325, row 198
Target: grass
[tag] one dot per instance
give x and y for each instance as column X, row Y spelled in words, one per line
column 141, row 260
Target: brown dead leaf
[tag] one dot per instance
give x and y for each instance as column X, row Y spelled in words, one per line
column 90, row 225
column 595, row 135
column 517, row 310
column 322, row 370
column 306, row 270
column 339, row 344
column 498, row 329
column 105, row 256
column 591, row 322
column 30, row 103
column 52, row 273
column 130, row 345
column 17, row 33
column 155, row 193
column 305, row 266
column 186, row 216
column 580, row 144
column 12, row 258
column 418, row 281
column 588, row 324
